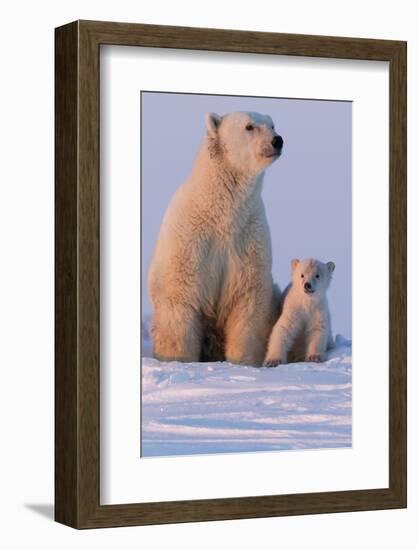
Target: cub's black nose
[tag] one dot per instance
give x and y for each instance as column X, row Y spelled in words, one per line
column 277, row 142
column 307, row 286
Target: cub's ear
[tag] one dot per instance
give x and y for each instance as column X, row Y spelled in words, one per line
column 212, row 122
column 330, row 266
column 294, row 263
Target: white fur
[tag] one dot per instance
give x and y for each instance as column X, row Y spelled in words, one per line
column 210, row 276
column 303, row 330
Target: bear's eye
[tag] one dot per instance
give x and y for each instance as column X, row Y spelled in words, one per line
column 249, row 127
column 302, row 275
column 317, row 276
column 272, row 127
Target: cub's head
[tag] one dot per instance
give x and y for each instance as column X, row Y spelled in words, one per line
column 248, row 141
column 311, row 277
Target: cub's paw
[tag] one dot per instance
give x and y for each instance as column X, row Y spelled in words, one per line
column 316, row 357
column 269, row 363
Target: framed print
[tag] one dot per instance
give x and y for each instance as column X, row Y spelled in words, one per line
column 230, row 274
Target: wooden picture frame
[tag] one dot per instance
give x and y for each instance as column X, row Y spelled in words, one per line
column 77, row 372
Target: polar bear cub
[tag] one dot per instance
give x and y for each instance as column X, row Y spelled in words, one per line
column 303, row 330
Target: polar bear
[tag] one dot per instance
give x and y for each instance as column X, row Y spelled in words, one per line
column 210, row 276
column 303, row 330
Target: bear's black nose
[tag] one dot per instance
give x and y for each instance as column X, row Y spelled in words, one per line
column 307, row 286
column 277, row 142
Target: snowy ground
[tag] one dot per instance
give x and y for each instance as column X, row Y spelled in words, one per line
column 196, row 408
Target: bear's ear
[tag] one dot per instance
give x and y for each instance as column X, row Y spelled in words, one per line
column 213, row 122
column 330, row 266
column 294, row 263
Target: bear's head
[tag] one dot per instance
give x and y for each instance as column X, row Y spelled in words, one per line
column 311, row 277
column 248, row 141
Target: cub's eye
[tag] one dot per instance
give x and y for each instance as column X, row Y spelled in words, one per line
column 302, row 275
column 249, row 127
column 317, row 276
column 272, row 127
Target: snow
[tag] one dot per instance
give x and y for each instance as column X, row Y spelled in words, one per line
column 202, row 408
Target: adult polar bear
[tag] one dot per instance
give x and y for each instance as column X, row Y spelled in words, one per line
column 210, row 276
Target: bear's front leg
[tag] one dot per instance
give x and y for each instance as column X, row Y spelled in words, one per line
column 246, row 337
column 316, row 344
column 280, row 342
column 176, row 333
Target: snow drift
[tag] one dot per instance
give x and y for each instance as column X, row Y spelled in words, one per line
column 196, row 408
